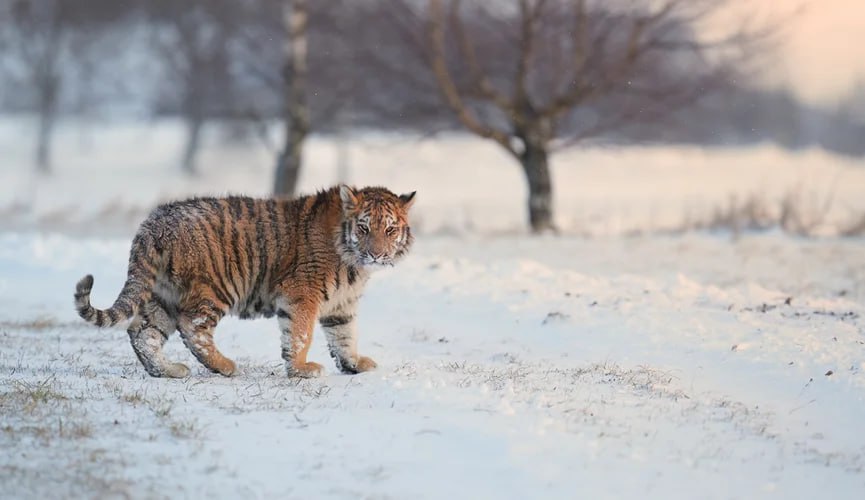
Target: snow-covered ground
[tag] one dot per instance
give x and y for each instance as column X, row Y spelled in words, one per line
column 664, row 366
column 514, row 368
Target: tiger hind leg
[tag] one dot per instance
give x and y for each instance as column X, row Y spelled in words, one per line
column 148, row 332
column 196, row 326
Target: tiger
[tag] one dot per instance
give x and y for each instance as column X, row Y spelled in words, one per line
column 303, row 260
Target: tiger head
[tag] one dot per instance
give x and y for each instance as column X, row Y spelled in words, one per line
column 375, row 229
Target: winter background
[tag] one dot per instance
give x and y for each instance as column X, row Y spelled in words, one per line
column 694, row 327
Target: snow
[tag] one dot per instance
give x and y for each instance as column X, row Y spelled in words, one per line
column 674, row 365
column 562, row 370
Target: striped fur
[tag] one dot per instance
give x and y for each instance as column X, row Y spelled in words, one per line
column 192, row 262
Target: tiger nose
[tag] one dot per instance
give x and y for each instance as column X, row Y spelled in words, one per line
column 376, row 256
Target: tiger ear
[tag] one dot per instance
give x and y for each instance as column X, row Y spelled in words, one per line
column 407, row 200
column 349, row 198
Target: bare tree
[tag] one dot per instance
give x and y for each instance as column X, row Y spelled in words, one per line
column 48, row 47
column 277, row 77
column 38, row 32
column 296, row 112
column 192, row 39
column 534, row 75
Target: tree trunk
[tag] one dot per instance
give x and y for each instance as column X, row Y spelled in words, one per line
column 49, row 85
column 296, row 114
column 193, row 138
column 43, row 145
column 536, row 167
column 288, row 168
column 343, row 147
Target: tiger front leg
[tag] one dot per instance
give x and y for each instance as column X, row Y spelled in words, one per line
column 296, row 324
column 340, row 328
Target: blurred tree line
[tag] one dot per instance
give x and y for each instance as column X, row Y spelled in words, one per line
column 531, row 75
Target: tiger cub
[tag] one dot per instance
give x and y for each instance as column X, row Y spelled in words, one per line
column 305, row 259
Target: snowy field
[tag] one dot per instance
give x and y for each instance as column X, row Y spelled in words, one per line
column 639, row 362
column 108, row 177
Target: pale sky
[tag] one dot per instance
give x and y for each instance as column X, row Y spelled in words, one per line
column 823, row 52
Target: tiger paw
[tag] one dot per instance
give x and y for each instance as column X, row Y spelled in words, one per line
column 176, row 370
column 227, row 368
column 306, row 370
column 363, row 364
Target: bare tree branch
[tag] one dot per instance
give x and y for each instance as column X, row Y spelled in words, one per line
column 435, row 32
column 481, row 85
column 529, row 15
